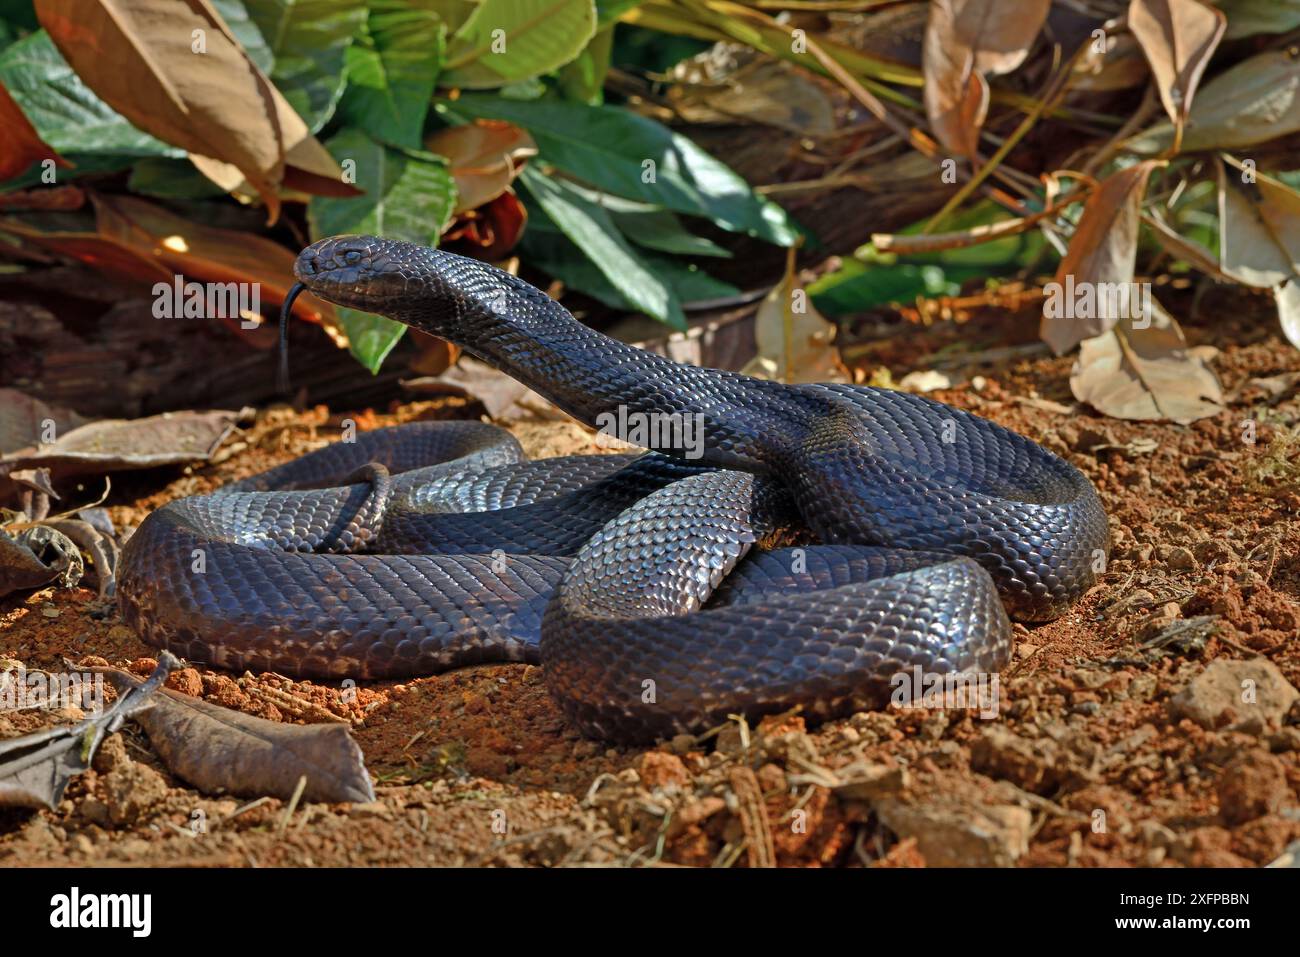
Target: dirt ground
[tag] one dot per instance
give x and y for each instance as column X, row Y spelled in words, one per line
column 1154, row 724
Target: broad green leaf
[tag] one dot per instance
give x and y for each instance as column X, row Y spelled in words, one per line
column 630, row 155
column 1249, row 17
column 548, row 249
column 171, row 179
column 661, row 230
column 370, row 338
column 409, row 195
column 583, row 79
column 591, row 229
column 245, row 31
column 451, row 12
column 857, row 286
column 68, row 116
column 608, row 11
column 309, row 41
column 392, row 68
column 505, row 41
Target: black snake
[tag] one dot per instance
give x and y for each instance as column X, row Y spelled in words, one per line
column 813, row 544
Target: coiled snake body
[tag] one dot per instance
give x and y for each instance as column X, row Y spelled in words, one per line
column 635, row 581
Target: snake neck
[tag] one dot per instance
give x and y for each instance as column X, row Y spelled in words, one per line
column 712, row 417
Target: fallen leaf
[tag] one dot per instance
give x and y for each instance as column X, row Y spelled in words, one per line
column 1287, row 296
column 20, row 144
column 112, row 445
column 1146, row 374
column 218, row 750
column 483, row 157
column 794, row 340
column 965, row 40
column 928, row 380
column 1178, row 38
column 37, row 768
column 34, row 558
column 25, row 420
column 1103, row 250
column 139, row 57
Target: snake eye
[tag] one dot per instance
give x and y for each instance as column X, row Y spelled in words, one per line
column 352, row 257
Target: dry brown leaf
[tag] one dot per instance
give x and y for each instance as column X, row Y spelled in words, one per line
column 103, row 254
column 20, row 144
column 24, row 418
column 1287, row 296
column 1189, row 250
column 219, row 750
column 795, row 342
column 217, row 104
column 206, row 253
column 1146, row 374
column 140, row 240
column 1103, row 250
column 964, row 41
column 1178, row 38
column 1259, row 240
column 483, row 157
column 1120, row 66
column 111, row 445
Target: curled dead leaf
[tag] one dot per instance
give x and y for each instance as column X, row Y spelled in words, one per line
column 965, row 40
column 1178, row 38
column 795, row 342
column 213, row 102
column 1146, row 373
column 1102, row 255
column 20, row 144
column 483, row 156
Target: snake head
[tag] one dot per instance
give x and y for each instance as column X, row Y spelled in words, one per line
column 361, row 272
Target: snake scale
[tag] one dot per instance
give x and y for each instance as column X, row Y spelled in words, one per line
column 817, row 541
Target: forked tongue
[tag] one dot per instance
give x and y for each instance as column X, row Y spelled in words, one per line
column 282, row 374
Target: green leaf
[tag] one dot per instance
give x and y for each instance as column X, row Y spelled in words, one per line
column 630, row 155
column 590, row 228
column 245, row 31
column 548, row 249
column 392, row 69
column 608, row 11
column 171, row 179
column 661, row 230
column 856, row 287
column 309, row 41
column 583, row 79
column 1249, row 17
column 505, row 41
column 370, row 337
column 409, row 195
column 67, row 115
